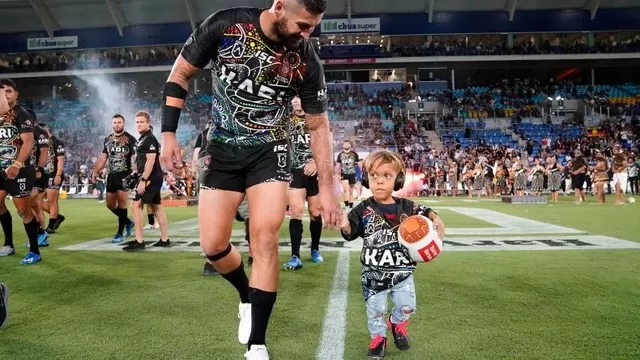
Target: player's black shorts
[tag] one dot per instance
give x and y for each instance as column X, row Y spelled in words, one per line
column 237, row 168
column 114, row 182
column 349, row 177
column 42, row 184
column 22, row 185
column 51, row 179
column 301, row 181
column 152, row 192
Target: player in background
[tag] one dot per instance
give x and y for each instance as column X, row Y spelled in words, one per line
column 4, row 289
column 150, row 183
column 247, row 151
column 117, row 152
column 303, row 186
column 53, row 168
column 346, row 164
column 387, row 269
column 38, row 161
column 18, row 176
column 358, row 186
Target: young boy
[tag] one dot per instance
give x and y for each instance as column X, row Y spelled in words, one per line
column 387, row 268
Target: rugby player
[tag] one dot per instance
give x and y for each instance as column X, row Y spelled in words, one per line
column 150, row 183
column 18, row 176
column 38, row 161
column 347, row 162
column 118, row 149
column 303, row 185
column 260, row 58
column 4, row 290
column 54, row 168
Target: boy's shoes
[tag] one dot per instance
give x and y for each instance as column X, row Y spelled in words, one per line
column 400, row 335
column 377, row 348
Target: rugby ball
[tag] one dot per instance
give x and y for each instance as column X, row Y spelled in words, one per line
column 419, row 236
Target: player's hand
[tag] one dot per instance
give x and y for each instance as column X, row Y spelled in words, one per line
column 38, row 175
column 437, row 222
column 94, row 178
column 330, row 209
column 171, row 156
column 57, row 180
column 141, row 187
column 344, row 223
column 12, row 172
column 310, row 169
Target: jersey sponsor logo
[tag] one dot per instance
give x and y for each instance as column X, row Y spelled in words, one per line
column 281, row 147
column 249, row 85
column 384, row 257
column 301, row 139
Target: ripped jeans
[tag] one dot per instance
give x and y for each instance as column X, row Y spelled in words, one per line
column 403, row 296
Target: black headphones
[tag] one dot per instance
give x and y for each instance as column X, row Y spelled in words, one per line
column 396, row 187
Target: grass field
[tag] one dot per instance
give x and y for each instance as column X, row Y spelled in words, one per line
column 575, row 302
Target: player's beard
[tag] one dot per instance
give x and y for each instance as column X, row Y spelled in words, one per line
column 291, row 41
column 118, row 132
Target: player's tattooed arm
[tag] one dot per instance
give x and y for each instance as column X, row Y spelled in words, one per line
column 321, row 148
column 182, row 73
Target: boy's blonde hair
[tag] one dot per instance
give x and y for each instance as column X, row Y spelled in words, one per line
column 383, row 156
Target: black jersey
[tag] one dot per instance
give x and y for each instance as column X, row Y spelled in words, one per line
column 56, row 149
column 119, row 149
column 12, row 124
column 253, row 78
column 385, row 262
column 148, row 144
column 40, row 144
column 348, row 162
column 300, row 143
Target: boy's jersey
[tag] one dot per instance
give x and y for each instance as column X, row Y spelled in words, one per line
column 385, row 262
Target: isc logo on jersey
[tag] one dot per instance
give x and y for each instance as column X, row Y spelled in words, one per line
column 8, row 133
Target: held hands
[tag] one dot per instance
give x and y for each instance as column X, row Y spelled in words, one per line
column 171, row 157
column 12, row 171
column 310, row 168
column 330, row 209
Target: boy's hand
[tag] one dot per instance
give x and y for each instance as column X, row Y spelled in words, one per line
column 345, row 226
column 439, row 227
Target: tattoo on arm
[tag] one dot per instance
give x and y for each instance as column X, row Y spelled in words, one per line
column 321, row 147
column 181, row 73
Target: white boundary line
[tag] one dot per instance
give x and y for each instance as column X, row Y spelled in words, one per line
column 334, row 329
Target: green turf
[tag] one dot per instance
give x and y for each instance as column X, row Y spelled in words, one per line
column 471, row 305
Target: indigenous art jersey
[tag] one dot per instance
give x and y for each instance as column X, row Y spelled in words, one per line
column 119, row 149
column 300, row 143
column 201, row 141
column 56, row 149
column 15, row 122
column 253, row 78
column 40, row 144
column 348, row 162
column 385, row 262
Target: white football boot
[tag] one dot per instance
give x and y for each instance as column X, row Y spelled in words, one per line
column 257, row 352
column 244, row 329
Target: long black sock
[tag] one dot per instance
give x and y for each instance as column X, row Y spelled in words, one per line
column 295, row 230
column 32, row 233
column 261, row 306
column 52, row 223
column 7, row 227
column 246, row 231
column 238, row 278
column 151, row 218
column 125, row 216
column 122, row 219
column 315, row 228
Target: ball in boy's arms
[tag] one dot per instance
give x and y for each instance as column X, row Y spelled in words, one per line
column 420, row 236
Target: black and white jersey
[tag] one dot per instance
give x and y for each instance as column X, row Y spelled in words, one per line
column 253, row 78
column 119, row 149
column 385, row 262
column 300, row 143
column 348, row 162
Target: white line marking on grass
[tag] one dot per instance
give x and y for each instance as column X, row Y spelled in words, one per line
column 334, row 330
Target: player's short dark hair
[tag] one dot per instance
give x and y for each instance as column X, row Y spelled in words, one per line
column 119, row 116
column 316, row 7
column 33, row 115
column 10, row 83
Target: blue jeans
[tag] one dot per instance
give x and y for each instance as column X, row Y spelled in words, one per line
column 403, row 296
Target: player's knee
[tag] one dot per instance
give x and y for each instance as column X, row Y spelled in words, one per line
column 296, row 211
column 215, row 253
column 265, row 242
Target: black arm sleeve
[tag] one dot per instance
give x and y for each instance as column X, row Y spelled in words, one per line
column 202, row 45
column 313, row 92
column 198, row 141
column 355, row 221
